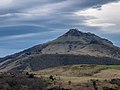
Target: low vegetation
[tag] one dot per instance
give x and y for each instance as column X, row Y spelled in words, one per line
column 71, row 77
column 82, row 77
column 111, row 66
column 20, row 81
column 74, row 70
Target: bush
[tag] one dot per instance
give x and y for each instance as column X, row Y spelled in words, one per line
column 31, row 76
column 107, row 88
column 22, row 83
column 27, row 73
column 51, row 77
column 116, row 81
column 69, row 82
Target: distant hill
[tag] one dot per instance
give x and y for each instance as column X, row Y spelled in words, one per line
column 74, row 47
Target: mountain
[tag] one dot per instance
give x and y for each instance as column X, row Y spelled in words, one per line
column 74, row 47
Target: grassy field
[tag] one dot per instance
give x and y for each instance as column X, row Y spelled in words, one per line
column 77, row 70
column 82, row 74
column 111, row 66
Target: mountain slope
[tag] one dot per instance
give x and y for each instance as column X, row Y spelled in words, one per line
column 79, row 43
column 74, row 47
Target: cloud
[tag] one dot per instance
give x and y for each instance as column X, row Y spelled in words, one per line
column 48, row 13
column 107, row 18
column 44, row 12
column 33, row 21
column 29, row 35
column 5, row 3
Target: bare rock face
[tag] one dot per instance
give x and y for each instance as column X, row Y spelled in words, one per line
column 73, row 43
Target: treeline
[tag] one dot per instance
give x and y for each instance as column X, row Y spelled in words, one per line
column 53, row 60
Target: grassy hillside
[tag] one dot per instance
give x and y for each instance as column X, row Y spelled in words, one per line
column 78, row 70
column 73, row 47
column 111, row 66
column 74, row 70
column 81, row 77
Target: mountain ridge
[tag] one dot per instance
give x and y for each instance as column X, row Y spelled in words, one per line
column 72, row 43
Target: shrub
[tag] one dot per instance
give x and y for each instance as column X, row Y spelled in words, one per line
column 27, row 73
column 51, row 77
column 31, row 76
column 69, row 82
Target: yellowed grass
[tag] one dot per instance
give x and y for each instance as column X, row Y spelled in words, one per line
column 72, row 73
column 108, row 74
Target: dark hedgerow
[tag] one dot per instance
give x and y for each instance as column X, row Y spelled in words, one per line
column 22, row 83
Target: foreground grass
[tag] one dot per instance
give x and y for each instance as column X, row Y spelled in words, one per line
column 73, row 70
column 82, row 73
column 113, row 66
column 80, row 76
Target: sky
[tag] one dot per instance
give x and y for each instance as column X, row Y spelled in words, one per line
column 25, row 23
